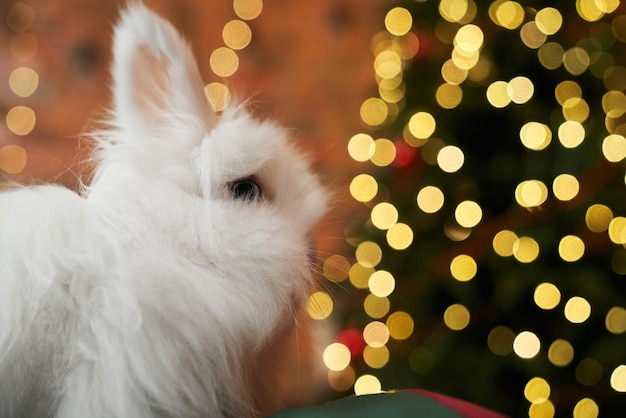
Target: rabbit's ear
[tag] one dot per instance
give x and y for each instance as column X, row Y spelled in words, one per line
column 155, row 74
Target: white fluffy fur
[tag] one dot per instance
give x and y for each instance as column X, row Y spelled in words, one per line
column 149, row 294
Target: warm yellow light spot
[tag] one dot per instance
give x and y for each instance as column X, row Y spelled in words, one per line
column 336, row 356
column 20, row 17
column 547, row 296
column 366, row 385
column 571, row 248
column 453, row 74
column 531, row 193
column 469, row 39
column 422, row 125
column 463, row 268
column 618, row 28
column 449, row 96
column 468, row 214
column 400, row 325
column 456, row 317
column 320, row 305
column 374, row 111
column 376, row 334
column 614, row 148
column 500, row 340
column 218, row 95
column 598, row 217
column 614, row 103
column 224, row 62
column 577, row 310
column 388, row 64
column 503, row 243
column 368, row 254
column 381, row 283
column 542, row 410
column 549, row 20
column 566, row 90
column 618, row 378
column 454, row 10
column 430, row 199
column 551, row 55
column 588, row 372
column 23, row 81
column 363, row 188
column 450, row 159
column 21, row 120
column 525, row 250
column 377, row 357
column 400, row 236
column 535, row 136
column 520, row 89
column 560, row 353
column 465, row 60
column 617, row 230
column 537, row 390
column 571, row 134
column 510, row 14
column 336, row 268
column 498, row 95
column 361, row 147
column 384, row 152
column 616, row 320
column 248, row 9
column 384, row 215
column 360, row 275
column 12, row 159
column 591, row 10
column 526, row 345
column 532, row 36
column 236, row 34
column 576, row 109
column 398, row 21
column 376, row 307
column 586, row 408
column 576, row 61
column 565, row 187
column 341, row 380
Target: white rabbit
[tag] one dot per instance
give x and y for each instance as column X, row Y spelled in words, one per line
column 151, row 293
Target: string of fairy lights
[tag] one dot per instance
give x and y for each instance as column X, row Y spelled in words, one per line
column 393, row 50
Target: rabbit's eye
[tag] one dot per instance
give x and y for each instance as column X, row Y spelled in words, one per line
column 246, row 189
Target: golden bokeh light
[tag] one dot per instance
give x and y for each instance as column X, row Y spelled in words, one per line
column 586, row 408
column 456, row 317
column 388, row 64
column 614, row 148
column 452, row 74
column 320, row 305
column 369, row 254
column 532, row 36
column 384, row 215
column 618, row 378
column 550, row 55
column 422, row 125
column 450, row 159
column 520, row 89
column 541, row 410
column 398, row 21
column 341, row 380
column 468, row 214
column 598, row 217
column 549, row 20
column 561, row 353
column 366, row 385
column 525, row 250
column 547, row 296
column 376, row 357
column 537, row 390
column 363, row 188
column 615, row 320
column 381, row 283
column 500, row 340
column 576, row 61
column 531, row 193
column 384, row 152
column 224, row 62
column 374, row 111
column 236, row 34
column 430, row 199
column 571, row 248
column 400, row 236
column 376, row 334
column 577, row 310
column 13, row 159
column 535, row 136
column 23, row 81
column 218, row 95
column 566, row 90
column 248, row 9
column 359, row 275
column 336, row 268
column 498, row 95
column 571, row 134
column 508, row 14
column 503, row 243
column 20, row 120
column 20, row 17
column 336, row 357
column 617, row 230
column 449, row 96
column 526, row 345
column 463, row 268
column 576, row 109
column 565, row 187
column 361, row 147
column 376, row 307
column 400, row 325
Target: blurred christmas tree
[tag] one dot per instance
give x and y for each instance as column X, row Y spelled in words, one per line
column 489, row 252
